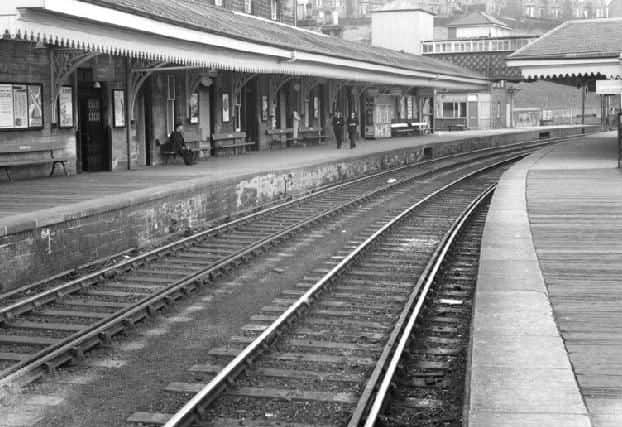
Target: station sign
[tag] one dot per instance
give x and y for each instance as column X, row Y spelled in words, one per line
column 608, row 87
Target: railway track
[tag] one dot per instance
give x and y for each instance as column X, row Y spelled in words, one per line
column 59, row 324
column 423, row 383
column 315, row 356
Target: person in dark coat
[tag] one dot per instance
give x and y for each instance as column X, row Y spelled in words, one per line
column 338, row 125
column 352, row 125
column 178, row 145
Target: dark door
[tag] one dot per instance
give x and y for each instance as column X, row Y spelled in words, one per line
column 249, row 115
column 94, row 141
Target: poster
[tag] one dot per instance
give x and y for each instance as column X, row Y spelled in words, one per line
column 65, row 107
column 118, row 106
column 194, row 108
column 35, row 106
column 264, row 108
column 225, row 108
column 20, row 107
column 316, row 107
column 6, row 106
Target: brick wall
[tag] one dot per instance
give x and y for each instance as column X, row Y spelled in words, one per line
column 28, row 254
column 30, row 65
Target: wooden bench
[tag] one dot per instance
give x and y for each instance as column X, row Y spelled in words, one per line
column 313, row 135
column 280, row 137
column 46, row 148
column 166, row 150
column 234, row 141
column 401, row 128
column 422, row 128
column 456, row 126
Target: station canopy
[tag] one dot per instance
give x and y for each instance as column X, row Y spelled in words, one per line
column 194, row 34
column 579, row 49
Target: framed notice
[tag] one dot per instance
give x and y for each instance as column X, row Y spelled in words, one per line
column 20, row 107
column 35, row 106
column 65, row 107
column 226, row 108
column 6, row 106
column 316, row 107
column 118, row 108
column 194, row 108
column 264, row 108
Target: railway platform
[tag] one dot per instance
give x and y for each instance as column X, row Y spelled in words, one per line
column 546, row 331
column 54, row 224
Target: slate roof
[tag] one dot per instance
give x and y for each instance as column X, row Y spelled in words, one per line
column 197, row 15
column 576, row 39
column 477, row 18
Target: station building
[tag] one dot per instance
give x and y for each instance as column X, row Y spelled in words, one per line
column 102, row 82
column 580, row 53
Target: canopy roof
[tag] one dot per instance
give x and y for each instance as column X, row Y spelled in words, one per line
column 191, row 32
column 588, row 47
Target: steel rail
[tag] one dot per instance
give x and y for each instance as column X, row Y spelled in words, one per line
column 74, row 346
column 26, row 304
column 386, row 368
column 195, row 407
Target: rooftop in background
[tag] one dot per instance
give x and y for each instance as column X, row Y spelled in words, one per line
column 593, row 38
column 402, row 5
column 476, row 19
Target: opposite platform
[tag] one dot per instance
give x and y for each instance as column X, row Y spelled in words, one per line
column 546, row 337
column 55, row 224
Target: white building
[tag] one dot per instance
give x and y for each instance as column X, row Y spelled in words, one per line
column 401, row 25
column 478, row 24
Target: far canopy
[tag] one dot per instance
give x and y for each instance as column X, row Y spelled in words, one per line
column 574, row 51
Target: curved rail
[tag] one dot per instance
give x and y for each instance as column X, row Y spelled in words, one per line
column 372, row 400
column 193, row 409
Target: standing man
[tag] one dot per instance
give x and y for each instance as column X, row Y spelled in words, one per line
column 338, row 124
column 352, row 125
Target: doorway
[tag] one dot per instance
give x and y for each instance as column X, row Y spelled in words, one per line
column 250, row 122
column 94, row 139
column 149, row 139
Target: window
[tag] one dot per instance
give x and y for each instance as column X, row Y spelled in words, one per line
column 454, row 110
column 274, row 10
column 218, row 3
column 248, row 6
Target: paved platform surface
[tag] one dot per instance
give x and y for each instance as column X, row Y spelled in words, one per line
column 574, row 199
column 24, row 197
column 547, row 337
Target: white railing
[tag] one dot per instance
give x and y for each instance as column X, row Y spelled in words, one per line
column 502, row 44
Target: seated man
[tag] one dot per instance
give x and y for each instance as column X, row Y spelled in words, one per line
column 178, row 145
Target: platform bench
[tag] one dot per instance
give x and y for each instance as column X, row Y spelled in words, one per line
column 166, row 150
column 456, row 127
column 46, row 148
column 313, row 135
column 401, row 128
column 234, row 141
column 280, row 137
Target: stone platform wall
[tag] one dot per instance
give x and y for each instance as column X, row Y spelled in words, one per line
column 80, row 233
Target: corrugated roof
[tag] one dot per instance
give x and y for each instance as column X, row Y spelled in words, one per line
column 575, row 39
column 198, row 15
column 477, row 18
